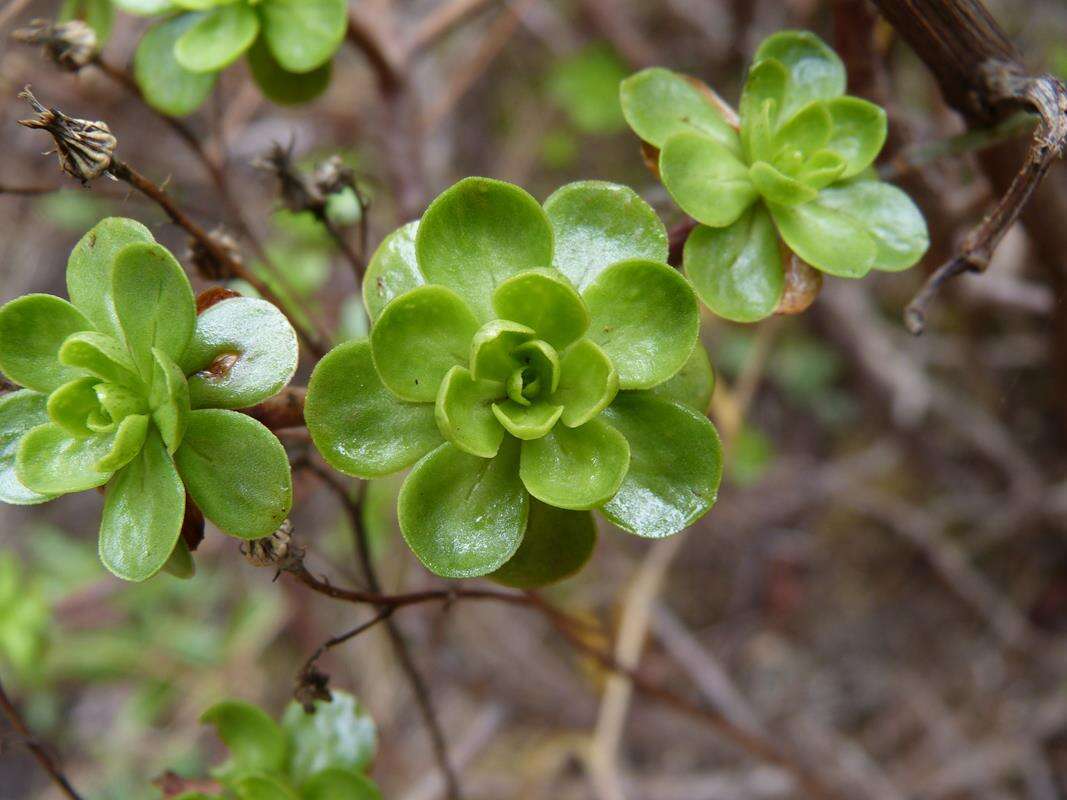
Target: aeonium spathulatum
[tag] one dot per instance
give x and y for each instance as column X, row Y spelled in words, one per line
column 799, row 164
column 127, row 388
column 522, row 358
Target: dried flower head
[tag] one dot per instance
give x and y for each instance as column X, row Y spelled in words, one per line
column 296, row 193
column 71, row 44
column 85, row 148
column 276, row 550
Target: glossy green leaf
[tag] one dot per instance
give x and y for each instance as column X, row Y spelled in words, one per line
column 597, row 224
column 557, row 544
column 829, row 240
column 89, row 268
column 815, row 70
column 236, row 471
column 808, row 130
column 541, row 361
column 575, row 468
column 339, row 784
column 358, row 425
column 588, row 383
column 180, row 563
column 645, row 317
column 675, row 465
column 464, row 413
column 129, row 437
column 479, row 233
column 493, row 349
column 859, row 131
column 527, row 421
column 144, row 8
column 118, row 402
column 279, row 84
column 693, row 384
column 218, row 38
column 51, row 461
column 737, row 270
column 658, row 103
column 256, row 742
column 418, row 338
column 761, row 101
column 303, row 34
column 705, row 179
column 462, row 515
column 546, row 301
column 20, row 412
column 242, row 352
column 821, row 169
column 143, row 512
column 341, row 734
column 393, row 269
column 778, row 188
column 888, row 216
column 32, row 329
column 166, row 85
column 73, row 404
column 265, row 787
column 169, row 401
column 100, row 355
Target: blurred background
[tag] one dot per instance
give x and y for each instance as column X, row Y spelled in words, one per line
column 881, row 588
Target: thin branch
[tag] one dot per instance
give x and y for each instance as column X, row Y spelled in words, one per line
column 284, row 410
column 28, row 191
column 329, row 644
column 440, row 22
column 39, row 751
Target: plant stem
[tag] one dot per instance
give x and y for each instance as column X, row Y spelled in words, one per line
column 38, row 750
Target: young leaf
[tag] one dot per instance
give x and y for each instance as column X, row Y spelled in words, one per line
column 809, row 130
column 143, row 512
column 815, row 71
column 827, row 239
column 545, row 301
column 645, row 317
column 129, row 438
column 675, row 465
column 303, row 34
column 358, row 425
column 145, row 8
column 531, row 421
column 477, row 234
column 20, row 412
column 859, row 131
column 462, row 515
column 256, row 742
column 575, row 468
column 340, row 784
column 778, row 188
column 693, row 384
column 51, row 461
column 167, row 85
column 32, row 329
column 393, row 269
column 493, row 349
column 279, row 84
column 761, row 100
column 597, row 224
column 464, row 413
column 102, row 356
column 169, row 401
column 340, row 735
column 236, row 471
column 557, row 544
column 588, row 383
column 73, row 405
column 737, row 270
column 218, row 38
column 705, row 179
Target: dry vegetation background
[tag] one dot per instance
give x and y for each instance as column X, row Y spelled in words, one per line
column 882, row 587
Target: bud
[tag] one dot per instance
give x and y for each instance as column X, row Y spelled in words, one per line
column 84, row 148
column 72, row 44
column 276, row 550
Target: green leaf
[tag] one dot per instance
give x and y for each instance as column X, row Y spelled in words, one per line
column 705, row 179
column 169, row 401
column 815, row 71
column 51, row 461
column 393, row 269
column 303, row 34
column 464, row 413
column 544, row 300
column 575, row 468
column 588, row 383
column 89, row 268
column 154, row 304
column 265, row 787
column 531, row 421
column 464, row 516
column 236, row 471
column 586, row 86
column 129, row 438
column 218, row 38
column 73, row 405
column 737, row 270
column 859, row 131
column 340, row 784
column 118, row 401
column 145, row 8
column 340, row 735
column 821, row 169
column 477, row 234
column 242, row 352
column 166, row 85
column 658, row 103
column 493, row 349
column 779, row 188
column 102, row 356
column 143, row 512
column 180, row 562
column 20, row 412
column 693, row 384
column 32, row 329
column 827, row 239
column 418, row 338
column 540, row 359
column 358, row 425
column 808, row 131
column 597, row 224
column 256, row 742
column 761, row 102
column 888, row 216
column 98, row 15
column 279, row 84
column 557, row 544
column 675, row 465
column 645, row 317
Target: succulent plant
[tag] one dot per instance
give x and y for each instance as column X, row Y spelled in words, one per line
column 126, row 387
column 797, row 166
column 523, row 359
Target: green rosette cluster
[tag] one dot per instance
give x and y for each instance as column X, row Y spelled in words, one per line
column 797, row 168
column 322, row 755
column 127, row 388
column 288, row 44
column 532, row 363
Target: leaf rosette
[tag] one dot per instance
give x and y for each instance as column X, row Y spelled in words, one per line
column 796, row 168
column 128, row 389
column 530, row 364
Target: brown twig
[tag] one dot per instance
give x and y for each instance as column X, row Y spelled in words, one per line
column 28, row 191
column 39, row 751
column 440, row 22
column 284, row 410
